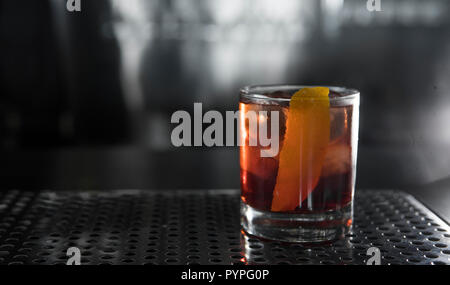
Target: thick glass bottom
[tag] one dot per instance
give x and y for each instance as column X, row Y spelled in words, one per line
column 305, row 228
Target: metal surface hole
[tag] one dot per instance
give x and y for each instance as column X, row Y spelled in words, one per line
column 411, row 236
column 193, row 250
column 394, row 240
column 439, row 263
column 421, row 248
column 434, row 239
column 39, row 260
column 323, row 255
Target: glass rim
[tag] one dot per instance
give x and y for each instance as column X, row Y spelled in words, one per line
column 256, row 91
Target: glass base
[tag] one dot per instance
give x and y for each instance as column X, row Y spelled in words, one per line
column 306, row 228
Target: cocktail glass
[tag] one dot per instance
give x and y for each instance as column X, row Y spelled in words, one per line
column 304, row 192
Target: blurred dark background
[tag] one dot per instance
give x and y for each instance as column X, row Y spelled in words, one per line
column 86, row 97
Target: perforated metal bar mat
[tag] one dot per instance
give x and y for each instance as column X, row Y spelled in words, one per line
column 202, row 227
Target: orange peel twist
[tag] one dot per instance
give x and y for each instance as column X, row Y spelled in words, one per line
column 304, row 149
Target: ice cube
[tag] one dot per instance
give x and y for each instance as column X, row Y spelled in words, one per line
column 337, row 160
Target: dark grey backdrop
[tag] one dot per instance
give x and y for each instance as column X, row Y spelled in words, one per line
column 86, row 97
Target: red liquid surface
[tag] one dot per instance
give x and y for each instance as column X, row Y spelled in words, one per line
column 335, row 187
